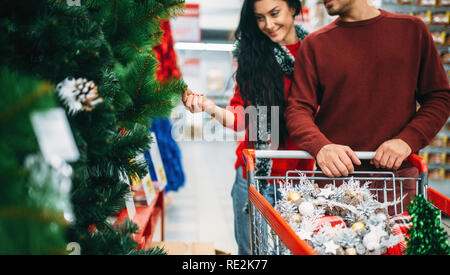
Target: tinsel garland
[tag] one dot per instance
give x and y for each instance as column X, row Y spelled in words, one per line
column 338, row 220
column 426, row 236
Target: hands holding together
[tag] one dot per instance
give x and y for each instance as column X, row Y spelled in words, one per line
column 197, row 102
column 337, row 160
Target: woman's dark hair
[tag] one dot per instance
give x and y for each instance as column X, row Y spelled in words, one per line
column 258, row 75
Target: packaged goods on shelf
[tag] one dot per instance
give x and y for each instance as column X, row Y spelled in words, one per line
column 439, row 141
column 427, row 3
column 439, row 37
column 436, row 174
column 441, row 18
column 405, row 2
column 425, row 16
column 437, row 158
column 446, row 60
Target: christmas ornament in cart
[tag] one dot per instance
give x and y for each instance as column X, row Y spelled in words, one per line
column 346, row 217
column 339, row 220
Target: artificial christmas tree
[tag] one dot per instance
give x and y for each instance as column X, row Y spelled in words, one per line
column 108, row 43
column 34, row 196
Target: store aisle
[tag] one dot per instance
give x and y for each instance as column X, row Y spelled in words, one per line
column 202, row 211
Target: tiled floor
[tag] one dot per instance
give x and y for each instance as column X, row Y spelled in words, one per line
column 201, row 211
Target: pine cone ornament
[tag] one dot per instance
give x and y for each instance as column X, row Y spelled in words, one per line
column 78, row 94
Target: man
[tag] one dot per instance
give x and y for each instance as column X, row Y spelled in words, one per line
column 366, row 70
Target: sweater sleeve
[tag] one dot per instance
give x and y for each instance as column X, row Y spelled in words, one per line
column 303, row 103
column 236, row 106
column 433, row 94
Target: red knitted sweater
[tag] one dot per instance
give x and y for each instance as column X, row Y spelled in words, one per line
column 279, row 166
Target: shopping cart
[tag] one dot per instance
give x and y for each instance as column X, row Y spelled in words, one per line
column 272, row 235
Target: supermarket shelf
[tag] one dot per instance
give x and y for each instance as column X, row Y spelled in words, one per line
column 439, row 166
column 394, row 7
column 146, row 218
column 200, row 46
column 436, row 150
column 443, row 182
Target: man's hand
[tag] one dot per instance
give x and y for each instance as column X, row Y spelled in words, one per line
column 391, row 154
column 337, row 160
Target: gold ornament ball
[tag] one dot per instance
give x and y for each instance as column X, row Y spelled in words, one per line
column 296, row 218
column 350, row 193
column 358, row 226
column 350, row 251
column 294, row 197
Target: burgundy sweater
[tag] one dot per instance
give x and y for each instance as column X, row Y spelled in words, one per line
column 366, row 76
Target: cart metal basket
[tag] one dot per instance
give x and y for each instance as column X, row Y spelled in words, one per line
column 272, row 235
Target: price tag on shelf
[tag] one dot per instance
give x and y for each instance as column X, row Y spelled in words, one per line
column 157, row 163
column 54, row 135
column 129, row 202
column 149, row 189
column 146, row 182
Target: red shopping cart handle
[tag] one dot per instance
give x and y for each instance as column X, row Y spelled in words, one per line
column 419, row 163
column 250, row 154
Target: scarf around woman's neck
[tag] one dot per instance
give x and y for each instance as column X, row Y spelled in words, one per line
column 286, row 61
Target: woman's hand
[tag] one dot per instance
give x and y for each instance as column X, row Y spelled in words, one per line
column 196, row 103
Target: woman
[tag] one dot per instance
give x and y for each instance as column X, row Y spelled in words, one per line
column 267, row 43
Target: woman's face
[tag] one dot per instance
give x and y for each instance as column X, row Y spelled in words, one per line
column 276, row 20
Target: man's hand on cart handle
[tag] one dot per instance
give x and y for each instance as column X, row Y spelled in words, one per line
column 337, row 160
column 391, row 154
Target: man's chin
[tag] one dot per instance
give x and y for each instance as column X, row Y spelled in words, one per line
column 332, row 12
